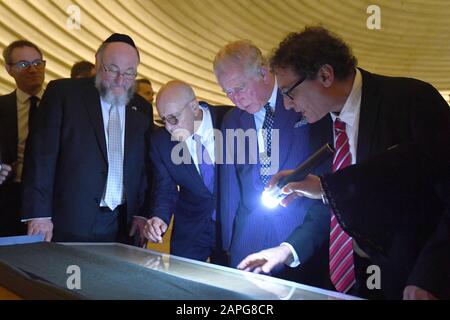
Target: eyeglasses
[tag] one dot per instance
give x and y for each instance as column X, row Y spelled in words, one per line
column 24, row 64
column 174, row 118
column 114, row 72
column 288, row 92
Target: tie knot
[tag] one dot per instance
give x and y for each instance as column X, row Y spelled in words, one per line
column 34, row 98
column 267, row 107
column 197, row 138
column 339, row 125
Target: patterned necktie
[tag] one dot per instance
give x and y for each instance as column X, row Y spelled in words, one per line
column 342, row 271
column 32, row 111
column 114, row 183
column 267, row 137
column 206, row 166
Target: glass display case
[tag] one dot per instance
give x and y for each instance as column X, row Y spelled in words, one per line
column 255, row 285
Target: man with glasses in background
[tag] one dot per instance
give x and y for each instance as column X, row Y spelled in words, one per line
column 84, row 174
column 280, row 140
column 24, row 62
column 144, row 88
column 184, row 154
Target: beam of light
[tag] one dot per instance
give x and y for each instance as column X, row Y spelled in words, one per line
column 272, row 197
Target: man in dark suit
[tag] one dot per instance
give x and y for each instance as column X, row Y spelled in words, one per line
column 24, row 62
column 406, row 234
column 371, row 114
column 184, row 154
column 84, row 177
column 262, row 137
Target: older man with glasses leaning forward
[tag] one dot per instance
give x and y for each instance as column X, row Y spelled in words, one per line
column 184, row 154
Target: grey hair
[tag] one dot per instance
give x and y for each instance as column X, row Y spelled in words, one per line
column 243, row 54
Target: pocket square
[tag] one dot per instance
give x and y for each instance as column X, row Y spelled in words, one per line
column 134, row 108
column 301, row 122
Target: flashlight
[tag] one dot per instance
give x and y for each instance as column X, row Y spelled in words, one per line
column 273, row 196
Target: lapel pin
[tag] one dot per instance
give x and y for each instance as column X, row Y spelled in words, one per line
column 134, row 108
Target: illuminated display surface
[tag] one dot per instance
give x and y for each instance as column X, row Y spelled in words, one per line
column 254, row 285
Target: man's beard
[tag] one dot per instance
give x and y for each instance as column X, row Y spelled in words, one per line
column 109, row 97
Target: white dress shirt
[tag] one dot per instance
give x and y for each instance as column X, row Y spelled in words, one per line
column 350, row 115
column 261, row 114
column 206, row 132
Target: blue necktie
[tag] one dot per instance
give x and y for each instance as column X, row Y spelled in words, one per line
column 206, row 166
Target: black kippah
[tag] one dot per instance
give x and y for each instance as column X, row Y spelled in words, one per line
column 119, row 37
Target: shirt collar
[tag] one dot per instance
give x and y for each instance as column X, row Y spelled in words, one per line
column 22, row 96
column 273, row 98
column 353, row 103
column 205, row 128
column 107, row 105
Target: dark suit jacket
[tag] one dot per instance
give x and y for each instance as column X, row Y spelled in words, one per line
column 193, row 204
column 431, row 269
column 392, row 205
column 9, row 191
column 8, row 128
column 247, row 225
column 393, row 111
column 66, row 162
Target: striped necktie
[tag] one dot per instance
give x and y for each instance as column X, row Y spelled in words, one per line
column 342, row 271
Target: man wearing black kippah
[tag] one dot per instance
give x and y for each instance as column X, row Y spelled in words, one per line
column 84, row 173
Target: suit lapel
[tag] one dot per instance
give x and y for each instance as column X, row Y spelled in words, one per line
column 8, row 151
column 132, row 116
column 131, row 119
column 370, row 101
column 94, row 109
column 284, row 119
column 15, row 131
column 191, row 169
column 217, row 146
